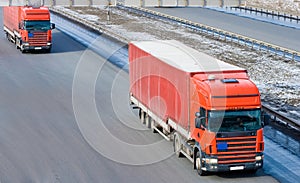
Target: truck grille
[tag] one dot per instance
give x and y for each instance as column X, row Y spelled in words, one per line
column 236, row 149
column 38, row 39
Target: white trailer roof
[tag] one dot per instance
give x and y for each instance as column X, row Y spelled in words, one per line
column 183, row 57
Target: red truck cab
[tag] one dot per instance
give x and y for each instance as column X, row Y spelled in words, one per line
column 28, row 27
column 228, row 132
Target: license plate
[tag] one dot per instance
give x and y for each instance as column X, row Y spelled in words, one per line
column 38, row 48
column 237, row 168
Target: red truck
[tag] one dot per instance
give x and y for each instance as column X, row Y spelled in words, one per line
column 211, row 109
column 28, row 27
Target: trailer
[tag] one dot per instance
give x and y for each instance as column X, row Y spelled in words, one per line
column 28, row 27
column 210, row 109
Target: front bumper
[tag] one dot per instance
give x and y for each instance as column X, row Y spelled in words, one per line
column 213, row 166
column 233, row 167
column 28, row 47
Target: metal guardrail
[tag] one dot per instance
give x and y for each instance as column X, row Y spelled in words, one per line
column 219, row 33
column 277, row 115
column 283, row 139
column 268, row 13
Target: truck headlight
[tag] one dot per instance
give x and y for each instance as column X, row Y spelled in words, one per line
column 258, row 158
column 211, row 161
column 26, row 44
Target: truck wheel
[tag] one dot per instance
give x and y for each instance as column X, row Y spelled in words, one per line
column 177, row 145
column 152, row 125
column 199, row 165
column 7, row 36
column 48, row 50
column 22, row 50
column 148, row 121
column 142, row 116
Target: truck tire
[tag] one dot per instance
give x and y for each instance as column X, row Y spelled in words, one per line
column 153, row 125
column 7, row 36
column 148, row 121
column 22, row 50
column 199, row 165
column 177, row 145
column 48, row 50
column 142, row 116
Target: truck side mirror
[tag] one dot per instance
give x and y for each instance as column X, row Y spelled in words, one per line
column 20, row 26
column 52, row 26
column 199, row 122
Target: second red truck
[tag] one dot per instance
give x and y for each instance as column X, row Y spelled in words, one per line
column 210, row 108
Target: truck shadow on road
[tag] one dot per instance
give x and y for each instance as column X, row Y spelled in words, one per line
column 240, row 174
column 62, row 43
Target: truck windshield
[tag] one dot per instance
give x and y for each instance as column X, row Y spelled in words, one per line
column 37, row 25
column 232, row 121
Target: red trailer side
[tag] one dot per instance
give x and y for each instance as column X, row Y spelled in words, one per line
column 11, row 17
column 159, row 86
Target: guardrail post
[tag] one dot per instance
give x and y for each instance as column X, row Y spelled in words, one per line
column 293, row 56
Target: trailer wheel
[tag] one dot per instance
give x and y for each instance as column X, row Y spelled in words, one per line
column 177, row 145
column 7, row 36
column 142, row 116
column 199, row 165
column 152, row 125
column 148, row 120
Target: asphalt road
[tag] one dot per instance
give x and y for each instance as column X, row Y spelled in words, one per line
column 50, row 132
column 268, row 32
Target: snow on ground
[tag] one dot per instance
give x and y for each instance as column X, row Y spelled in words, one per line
column 276, row 77
column 285, row 6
